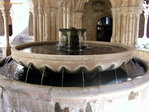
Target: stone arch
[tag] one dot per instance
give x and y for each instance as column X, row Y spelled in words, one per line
column 104, row 29
column 90, row 18
column 34, row 3
column 79, row 5
column 129, row 10
column 47, row 3
column 78, row 13
column 50, row 15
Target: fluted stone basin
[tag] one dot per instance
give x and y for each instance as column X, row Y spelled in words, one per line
column 107, row 56
column 22, row 97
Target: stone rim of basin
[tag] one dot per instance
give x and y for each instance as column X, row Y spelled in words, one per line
column 72, row 62
column 79, row 92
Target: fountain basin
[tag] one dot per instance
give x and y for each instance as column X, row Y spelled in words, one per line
column 18, row 96
column 73, row 62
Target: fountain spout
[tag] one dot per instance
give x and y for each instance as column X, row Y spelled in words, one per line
column 72, row 40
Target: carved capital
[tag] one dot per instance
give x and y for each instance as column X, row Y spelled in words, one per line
column 113, row 10
column 40, row 10
column 53, row 11
column 59, row 2
column 124, row 10
column 46, row 10
column 135, row 10
column 78, row 13
column 127, row 10
column 125, row 3
column 46, row 13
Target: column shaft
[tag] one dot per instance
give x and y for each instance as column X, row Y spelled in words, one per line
column 7, row 50
column 136, row 28
column 53, row 24
column 118, row 26
column 114, row 25
column 124, row 13
column 35, row 24
column 145, row 25
column 6, row 27
column 57, row 25
column 46, row 24
column 60, row 18
column 40, row 23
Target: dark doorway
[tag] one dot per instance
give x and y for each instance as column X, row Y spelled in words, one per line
column 104, row 29
column 10, row 30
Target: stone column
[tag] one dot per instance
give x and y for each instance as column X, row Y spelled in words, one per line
column 145, row 24
column 64, row 15
column 47, row 23
column 114, row 25
column 40, row 14
column 134, row 16
column 137, row 18
column 116, row 13
column 7, row 51
column 146, row 14
column 68, row 18
column 43, row 22
column 127, row 29
column 53, row 24
column 35, row 23
column 137, row 28
column 130, row 27
column 78, row 19
column 57, row 24
column 125, row 25
column 124, row 14
column 60, row 14
column 71, row 18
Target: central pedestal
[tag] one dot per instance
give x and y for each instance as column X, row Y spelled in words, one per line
column 70, row 40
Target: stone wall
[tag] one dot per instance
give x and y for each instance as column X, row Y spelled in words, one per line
column 90, row 18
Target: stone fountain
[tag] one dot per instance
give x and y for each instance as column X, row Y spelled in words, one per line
column 61, row 77
column 97, row 54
